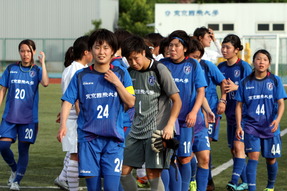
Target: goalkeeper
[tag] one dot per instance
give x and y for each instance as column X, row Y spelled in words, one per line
column 157, row 106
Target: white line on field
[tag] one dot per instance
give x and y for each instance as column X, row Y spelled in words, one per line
column 229, row 163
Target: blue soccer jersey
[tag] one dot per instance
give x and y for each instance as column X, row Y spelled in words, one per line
column 188, row 76
column 259, row 99
column 22, row 96
column 101, row 109
column 213, row 77
column 235, row 73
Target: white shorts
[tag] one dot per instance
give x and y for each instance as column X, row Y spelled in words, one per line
column 70, row 141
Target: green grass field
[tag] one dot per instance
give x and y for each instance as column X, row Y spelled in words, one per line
column 46, row 156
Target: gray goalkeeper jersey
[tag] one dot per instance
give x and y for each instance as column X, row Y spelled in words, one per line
column 153, row 106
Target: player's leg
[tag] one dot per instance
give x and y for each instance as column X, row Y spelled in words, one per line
column 184, row 154
column 73, row 172
column 175, row 177
column 61, row 180
column 154, row 177
column 271, row 149
column 193, row 163
column 93, row 183
column 165, row 179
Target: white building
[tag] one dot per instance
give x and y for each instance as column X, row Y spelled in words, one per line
column 237, row 18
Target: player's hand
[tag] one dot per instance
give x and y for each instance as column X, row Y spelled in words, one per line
column 61, row 133
column 274, row 126
column 42, row 57
column 221, row 108
column 112, row 77
column 230, row 86
column 167, row 132
column 190, row 119
column 239, row 133
column 58, row 118
column 210, row 117
column 211, row 34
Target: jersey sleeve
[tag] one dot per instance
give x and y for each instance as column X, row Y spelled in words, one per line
column 71, row 93
column 4, row 78
column 239, row 92
column 128, row 82
column 199, row 78
column 281, row 93
column 215, row 73
column 247, row 69
column 166, row 80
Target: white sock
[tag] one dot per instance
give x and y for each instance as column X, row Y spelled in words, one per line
column 73, row 175
column 63, row 175
column 141, row 172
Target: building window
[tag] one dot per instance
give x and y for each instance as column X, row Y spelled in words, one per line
column 228, row 27
column 278, row 27
column 214, row 27
column 263, row 27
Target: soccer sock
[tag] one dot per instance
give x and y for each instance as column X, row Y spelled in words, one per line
column 165, row 178
column 243, row 173
column 185, row 171
column 251, row 169
column 174, row 178
column 156, row 184
column 63, row 174
column 272, row 170
column 209, row 165
column 128, row 182
column 238, row 166
column 8, row 155
column 193, row 164
column 73, row 175
column 111, row 182
column 23, row 149
column 201, row 178
column 93, row 183
column 141, row 172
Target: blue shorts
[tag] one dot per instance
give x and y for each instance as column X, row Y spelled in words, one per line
column 201, row 141
column 213, row 128
column 231, row 137
column 185, row 139
column 269, row 147
column 100, row 156
column 25, row 132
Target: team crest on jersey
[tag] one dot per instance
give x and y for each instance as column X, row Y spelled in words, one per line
column 32, row 73
column 186, row 69
column 270, row 86
column 151, row 80
column 236, row 73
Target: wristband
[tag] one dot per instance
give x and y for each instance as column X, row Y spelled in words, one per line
column 223, row 101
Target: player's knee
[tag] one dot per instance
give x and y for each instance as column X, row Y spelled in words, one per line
column 4, row 145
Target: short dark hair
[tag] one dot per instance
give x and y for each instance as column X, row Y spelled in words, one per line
column 183, row 38
column 154, row 38
column 102, row 35
column 121, row 36
column 263, row 51
column 195, row 45
column 31, row 44
column 135, row 44
column 200, row 32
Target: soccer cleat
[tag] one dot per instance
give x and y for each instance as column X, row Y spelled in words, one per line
column 242, row 186
column 142, row 182
column 61, row 184
column 268, row 189
column 11, row 178
column 210, row 185
column 14, row 186
column 192, row 186
column 231, row 187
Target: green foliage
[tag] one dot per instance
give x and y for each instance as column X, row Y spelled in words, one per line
column 97, row 24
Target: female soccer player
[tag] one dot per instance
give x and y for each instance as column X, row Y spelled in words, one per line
column 20, row 118
column 77, row 57
column 234, row 70
column 259, row 109
column 103, row 91
column 189, row 78
column 213, row 77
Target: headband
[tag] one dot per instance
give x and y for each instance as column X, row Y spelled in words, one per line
column 182, row 41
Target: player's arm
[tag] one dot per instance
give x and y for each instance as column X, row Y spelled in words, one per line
column 222, row 102
column 126, row 96
column 191, row 116
column 275, row 123
column 175, row 109
column 3, row 91
column 238, row 116
column 65, row 111
column 45, row 78
column 210, row 117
